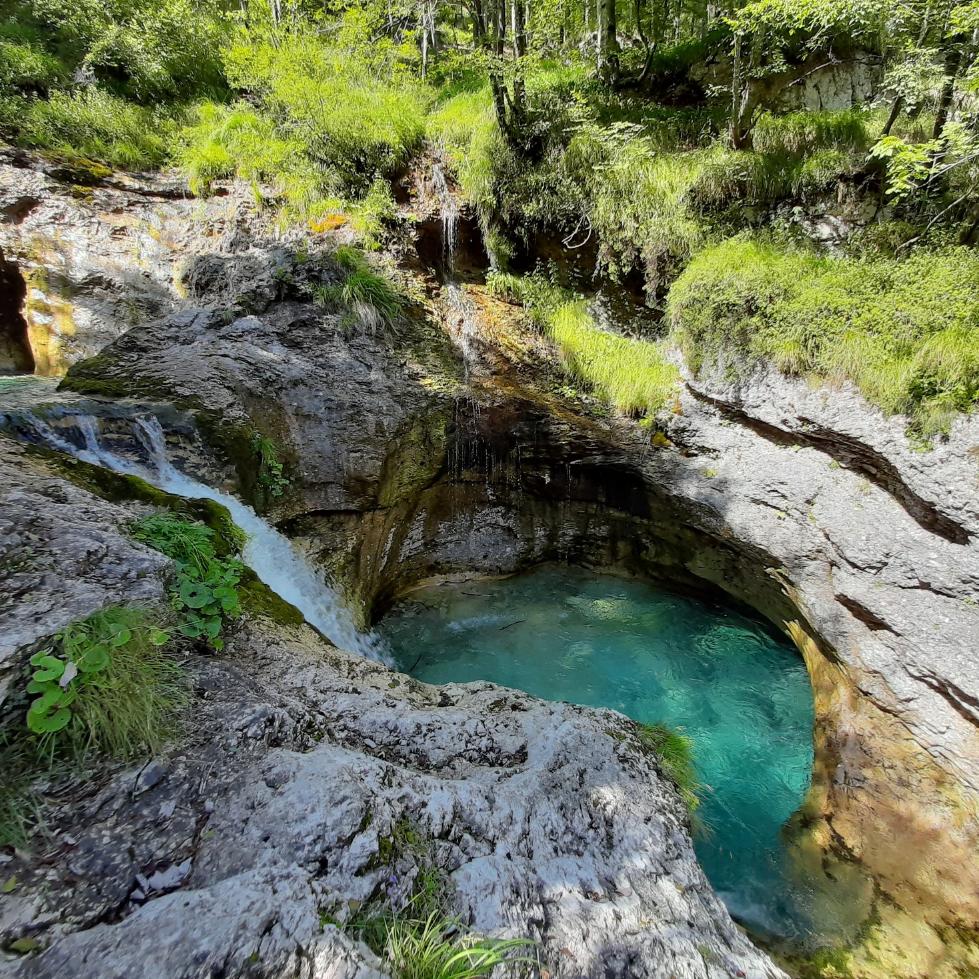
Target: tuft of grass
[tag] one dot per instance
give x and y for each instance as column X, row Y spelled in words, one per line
column 436, row 948
column 675, row 752
column 107, row 686
column 632, row 375
column 131, row 707
column 371, row 297
column 904, row 331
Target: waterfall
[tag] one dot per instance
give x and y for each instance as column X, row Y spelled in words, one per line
column 449, row 211
column 267, row 552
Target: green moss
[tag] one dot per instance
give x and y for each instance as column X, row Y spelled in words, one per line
column 259, row 601
column 905, row 332
column 416, row 459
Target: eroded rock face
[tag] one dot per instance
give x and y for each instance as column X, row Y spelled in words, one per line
column 101, row 252
column 285, row 805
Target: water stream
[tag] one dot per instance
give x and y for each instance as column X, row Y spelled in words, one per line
column 267, row 552
column 740, row 693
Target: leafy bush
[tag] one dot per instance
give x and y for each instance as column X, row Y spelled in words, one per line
column 205, row 594
column 905, row 332
column 106, row 685
column 675, row 752
column 89, row 124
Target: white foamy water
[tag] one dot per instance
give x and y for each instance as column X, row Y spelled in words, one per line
column 267, row 552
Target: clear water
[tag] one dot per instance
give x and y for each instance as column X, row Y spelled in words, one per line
column 742, row 695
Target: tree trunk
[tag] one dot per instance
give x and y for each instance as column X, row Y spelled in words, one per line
column 608, row 42
column 953, row 58
column 892, row 118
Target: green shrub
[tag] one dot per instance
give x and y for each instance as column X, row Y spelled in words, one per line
column 24, row 64
column 89, row 124
column 675, row 753
column 906, row 332
column 105, row 685
column 205, row 594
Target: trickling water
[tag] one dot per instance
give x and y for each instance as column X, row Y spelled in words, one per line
column 267, row 552
column 449, row 212
column 741, row 695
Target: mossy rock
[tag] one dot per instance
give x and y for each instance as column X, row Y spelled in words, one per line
column 259, row 601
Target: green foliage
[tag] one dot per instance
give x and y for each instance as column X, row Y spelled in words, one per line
column 905, row 331
column 271, row 472
column 632, row 375
column 675, row 752
column 145, row 50
column 435, row 948
column 371, row 297
column 89, row 125
column 205, row 594
column 320, row 123
column 105, row 685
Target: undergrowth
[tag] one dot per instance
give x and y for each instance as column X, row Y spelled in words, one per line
column 90, row 125
column 906, row 332
column 105, row 685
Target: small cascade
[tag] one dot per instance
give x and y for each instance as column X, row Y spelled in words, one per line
column 267, row 552
column 449, row 212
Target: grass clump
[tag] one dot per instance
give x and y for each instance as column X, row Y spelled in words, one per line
column 423, row 940
column 675, row 752
column 105, row 685
column 906, row 332
column 371, row 297
column 205, row 593
column 630, row 374
column 436, row 948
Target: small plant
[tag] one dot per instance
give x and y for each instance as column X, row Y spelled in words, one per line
column 205, row 595
column 675, row 752
column 436, row 948
column 371, row 297
column 271, row 472
column 105, row 684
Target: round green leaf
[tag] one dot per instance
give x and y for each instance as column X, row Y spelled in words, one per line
column 51, row 667
column 94, row 660
column 48, row 723
column 194, row 594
